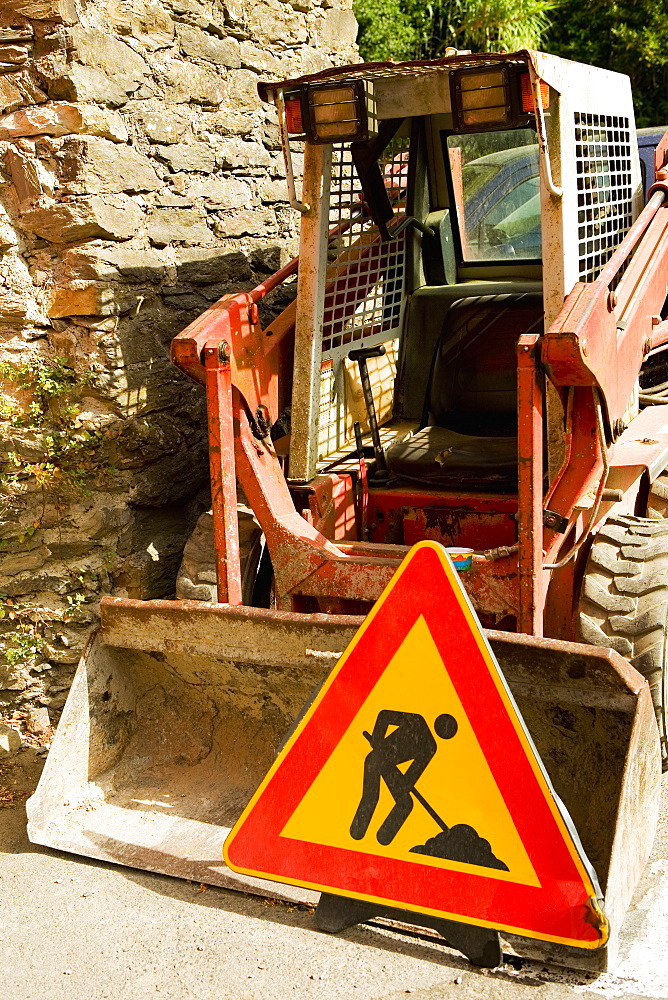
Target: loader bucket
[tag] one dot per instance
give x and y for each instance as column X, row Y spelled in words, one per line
column 178, row 709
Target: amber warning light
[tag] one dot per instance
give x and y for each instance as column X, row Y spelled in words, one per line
column 528, row 104
column 293, row 115
column 487, row 98
column 327, row 113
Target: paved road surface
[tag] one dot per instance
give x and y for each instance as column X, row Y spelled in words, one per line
column 73, row 929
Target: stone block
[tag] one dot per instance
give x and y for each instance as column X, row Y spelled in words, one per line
column 8, row 237
column 103, row 518
column 230, row 122
column 189, row 303
column 14, row 678
column 194, row 156
column 227, row 192
column 208, row 267
column 201, row 45
column 168, row 199
column 14, row 307
column 140, row 264
column 10, row 740
column 90, row 300
column 145, row 20
column 270, row 258
column 271, row 137
column 96, row 165
column 238, row 154
column 107, row 218
column 185, row 6
column 24, row 34
column 103, row 123
column 95, row 413
column 255, row 57
column 21, row 562
column 61, row 11
column 63, row 119
column 273, row 190
column 309, row 59
column 10, row 96
column 25, row 176
column 187, row 82
column 108, row 264
column 83, row 83
column 37, row 720
column 270, row 21
column 13, row 55
column 177, row 225
column 234, row 13
column 53, row 119
column 254, row 222
column 164, row 126
column 32, row 94
column 337, row 30
column 243, row 89
column 112, row 57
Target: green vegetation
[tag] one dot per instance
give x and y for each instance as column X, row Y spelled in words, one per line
column 28, row 627
column 412, row 29
column 628, row 36
column 40, row 407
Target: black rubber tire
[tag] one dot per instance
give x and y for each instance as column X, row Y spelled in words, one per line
column 196, row 580
column 624, row 603
column 657, row 501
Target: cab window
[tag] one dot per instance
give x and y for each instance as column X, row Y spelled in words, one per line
column 495, row 182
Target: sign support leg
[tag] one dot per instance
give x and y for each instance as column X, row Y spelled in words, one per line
column 480, row 945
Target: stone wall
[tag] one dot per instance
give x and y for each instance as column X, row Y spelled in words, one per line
column 140, row 179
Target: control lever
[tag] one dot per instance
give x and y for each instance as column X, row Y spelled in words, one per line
column 361, row 356
column 362, row 486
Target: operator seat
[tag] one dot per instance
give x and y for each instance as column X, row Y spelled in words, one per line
column 469, row 426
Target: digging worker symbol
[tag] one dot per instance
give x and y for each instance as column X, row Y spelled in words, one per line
column 410, row 742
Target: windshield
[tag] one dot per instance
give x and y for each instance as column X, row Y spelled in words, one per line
column 497, row 196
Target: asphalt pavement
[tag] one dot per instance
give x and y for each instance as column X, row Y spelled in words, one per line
column 75, row 929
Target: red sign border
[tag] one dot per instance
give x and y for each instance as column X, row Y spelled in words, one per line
column 567, row 913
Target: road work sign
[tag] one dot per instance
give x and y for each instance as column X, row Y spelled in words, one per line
column 412, row 781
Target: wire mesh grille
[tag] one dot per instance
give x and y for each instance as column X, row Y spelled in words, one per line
column 365, row 278
column 364, row 290
column 603, row 163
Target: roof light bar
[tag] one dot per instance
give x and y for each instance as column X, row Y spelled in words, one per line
column 486, row 98
column 335, row 112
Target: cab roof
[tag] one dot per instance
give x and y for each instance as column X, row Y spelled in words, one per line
column 378, row 70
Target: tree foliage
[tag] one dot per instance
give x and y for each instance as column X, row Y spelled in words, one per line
column 412, row 29
column 629, row 36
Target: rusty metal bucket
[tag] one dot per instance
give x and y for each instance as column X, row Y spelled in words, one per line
column 178, row 709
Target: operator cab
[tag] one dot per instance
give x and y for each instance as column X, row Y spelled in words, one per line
column 448, row 207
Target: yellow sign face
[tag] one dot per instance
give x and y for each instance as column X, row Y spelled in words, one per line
column 456, row 782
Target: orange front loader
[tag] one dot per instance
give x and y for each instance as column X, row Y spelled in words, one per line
column 428, row 381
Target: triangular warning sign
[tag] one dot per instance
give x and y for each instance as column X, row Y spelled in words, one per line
column 412, row 781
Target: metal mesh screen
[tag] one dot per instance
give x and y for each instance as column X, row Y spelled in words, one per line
column 365, row 278
column 603, row 163
column 364, row 290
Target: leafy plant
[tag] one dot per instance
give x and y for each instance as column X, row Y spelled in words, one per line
column 32, row 626
column 411, row 29
column 628, row 36
column 48, row 416
column 23, row 644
